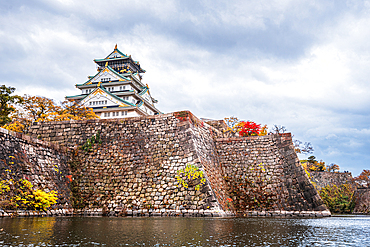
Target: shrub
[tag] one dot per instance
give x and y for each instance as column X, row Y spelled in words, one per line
column 18, row 194
column 191, row 175
column 339, row 199
column 248, row 128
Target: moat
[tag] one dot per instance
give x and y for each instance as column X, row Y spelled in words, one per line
column 112, row 231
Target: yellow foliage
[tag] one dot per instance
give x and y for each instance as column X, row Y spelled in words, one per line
column 233, row 125
column 44, row 200
column 263, row 131
column 14, row 126
column 19, row 194
column 191, row 173
column 42, row 109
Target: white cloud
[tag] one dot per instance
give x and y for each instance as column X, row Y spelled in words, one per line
column 302, row 64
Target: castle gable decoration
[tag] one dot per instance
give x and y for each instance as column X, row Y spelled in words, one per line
column 106, row 75
column 116, row 91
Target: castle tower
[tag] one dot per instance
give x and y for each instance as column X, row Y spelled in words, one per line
column 116, row 91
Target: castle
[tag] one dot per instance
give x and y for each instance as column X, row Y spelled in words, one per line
column 129, row 161
column 116, row 91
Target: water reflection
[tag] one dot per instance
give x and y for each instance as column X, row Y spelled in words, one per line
column 27, row 230
column 335, row 231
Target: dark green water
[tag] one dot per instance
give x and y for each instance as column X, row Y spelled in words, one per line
column 334, row 231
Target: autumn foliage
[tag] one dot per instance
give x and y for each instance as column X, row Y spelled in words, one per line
column 243, row 128
column 29, row 109
column 363, row 179
column 249, row 128
column 339, row 199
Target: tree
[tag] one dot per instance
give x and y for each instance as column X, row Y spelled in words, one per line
column 279, row 129
column 243, row 128
column 333, row 167
column 39, row 109
column 364, row 178
column 71, row 110
column 6, row 103
column 248, row 128
column 232, row 126
column 311, row 159
column 312, row 164
column 338, row 199
column 305, row 148
column 42, row 109
column 263, row 130
column 321, row 167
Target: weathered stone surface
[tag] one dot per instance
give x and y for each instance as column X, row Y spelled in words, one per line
column 362, row 196
column 322, row 179
column 44, row 164
column 133, row 170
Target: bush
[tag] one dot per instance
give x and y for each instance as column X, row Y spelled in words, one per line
column 18, row 194
column 339, row 199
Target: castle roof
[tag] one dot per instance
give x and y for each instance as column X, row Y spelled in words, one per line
column 123, row 78
column 117, row 55
column 114, row 96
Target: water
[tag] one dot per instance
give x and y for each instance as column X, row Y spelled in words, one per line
column 102, row 231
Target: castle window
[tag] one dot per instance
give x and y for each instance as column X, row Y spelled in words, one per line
column 106, row 114
column 124, row 113
column 105, row 79
column 105, row 102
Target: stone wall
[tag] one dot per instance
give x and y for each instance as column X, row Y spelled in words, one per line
column 362, row 196
column 43, row 164
column 133, row 171
column 322, row 179
column 263, row 173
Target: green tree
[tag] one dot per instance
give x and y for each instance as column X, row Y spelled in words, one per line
column 311, row 159
column 6, row 103
column 339, row 199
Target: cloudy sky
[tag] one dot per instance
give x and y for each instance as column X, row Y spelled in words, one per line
column 304, row 65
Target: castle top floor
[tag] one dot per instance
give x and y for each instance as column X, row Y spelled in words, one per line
column 119, row 62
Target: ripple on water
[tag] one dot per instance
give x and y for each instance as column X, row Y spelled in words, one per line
column 79, row 231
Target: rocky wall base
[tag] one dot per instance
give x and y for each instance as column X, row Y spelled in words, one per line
column 99, row 212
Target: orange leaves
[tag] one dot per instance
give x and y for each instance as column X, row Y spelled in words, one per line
column 364, row 178
column 69, row 177
column 263, row 130
column 248, row 128
column 42, row 109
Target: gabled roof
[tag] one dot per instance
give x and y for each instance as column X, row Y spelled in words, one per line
column 102, row 71
column 114, row 96
column 115, row 50
column 123, row 56
column 77, row 96
column 145, row 89
column 118, row 51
